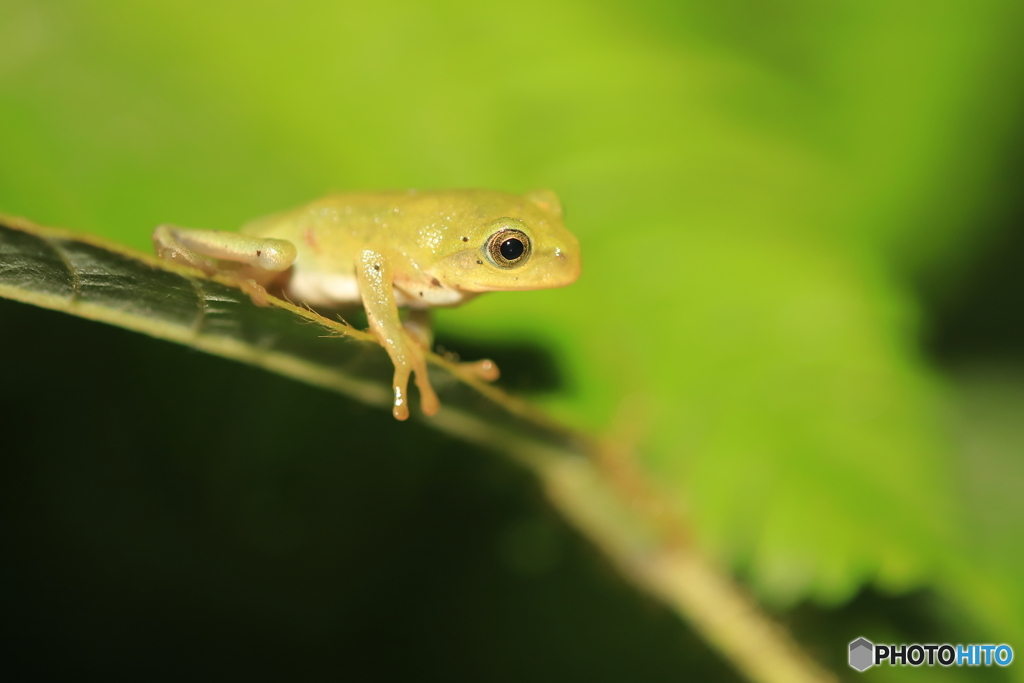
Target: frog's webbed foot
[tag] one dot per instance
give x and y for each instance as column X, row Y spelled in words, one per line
column 418, row 325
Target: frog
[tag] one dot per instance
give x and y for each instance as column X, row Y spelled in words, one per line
column 389, row 250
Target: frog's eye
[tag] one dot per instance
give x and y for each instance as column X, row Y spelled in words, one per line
column 508, row 248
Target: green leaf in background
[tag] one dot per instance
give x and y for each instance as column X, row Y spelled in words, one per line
column 755, row 186
column 990, row 561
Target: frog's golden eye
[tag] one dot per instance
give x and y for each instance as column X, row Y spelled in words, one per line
column 508, row 248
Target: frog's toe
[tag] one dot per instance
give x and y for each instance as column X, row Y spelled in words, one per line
column 429, row 402
column 485, row 369
column 400, row 408
column 257, row 292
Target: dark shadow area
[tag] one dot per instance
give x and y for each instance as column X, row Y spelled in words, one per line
column 984, row 318
column 526, row 368
column 166, row 515
column 978, row 313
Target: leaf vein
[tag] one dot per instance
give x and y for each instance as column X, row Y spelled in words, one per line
column 76, row 280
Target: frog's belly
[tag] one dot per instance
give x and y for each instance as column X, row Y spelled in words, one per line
column 428, row 295
column 318, row 289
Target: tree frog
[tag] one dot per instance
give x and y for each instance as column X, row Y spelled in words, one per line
column 412, row 249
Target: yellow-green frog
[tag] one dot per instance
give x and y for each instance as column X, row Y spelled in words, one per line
column 414, row 249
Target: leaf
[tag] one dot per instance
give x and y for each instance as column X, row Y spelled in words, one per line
column 100, row 281
column 987, row 410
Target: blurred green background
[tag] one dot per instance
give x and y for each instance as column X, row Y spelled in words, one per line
column 801, row 235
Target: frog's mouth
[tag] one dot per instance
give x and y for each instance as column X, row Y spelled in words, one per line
column 525, row 284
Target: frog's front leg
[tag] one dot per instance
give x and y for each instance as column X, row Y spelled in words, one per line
column 376, row 277
column 252, row 261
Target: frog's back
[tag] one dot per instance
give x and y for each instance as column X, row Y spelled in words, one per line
column 327, row 232
column 353, row 214
column 395, row 209
column 422, row 226
column 335, row 227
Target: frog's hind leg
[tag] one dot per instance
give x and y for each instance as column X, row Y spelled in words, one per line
column 253, row 262
column 418, row 325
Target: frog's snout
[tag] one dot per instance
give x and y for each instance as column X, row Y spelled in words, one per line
column 566, row 266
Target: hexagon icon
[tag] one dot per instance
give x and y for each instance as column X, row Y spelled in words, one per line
column 862, row 653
